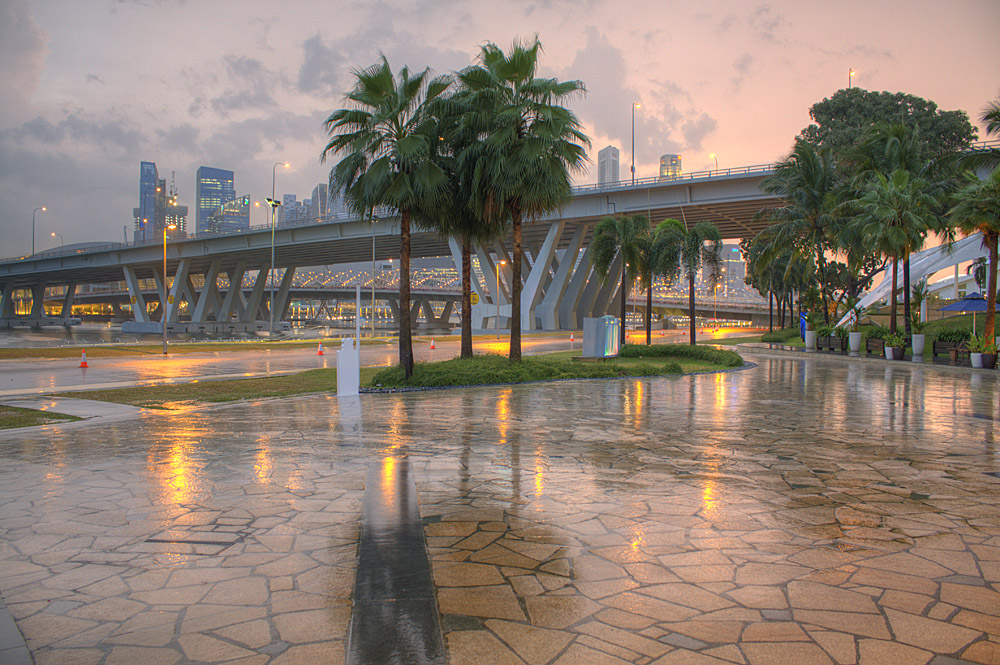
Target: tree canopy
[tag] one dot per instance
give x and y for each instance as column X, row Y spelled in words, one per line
column 842, row 119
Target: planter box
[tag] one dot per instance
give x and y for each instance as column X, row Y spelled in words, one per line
column 918, row 343
column 989, row 360
column 810, row 339
column 894, row 352
column 854, row 341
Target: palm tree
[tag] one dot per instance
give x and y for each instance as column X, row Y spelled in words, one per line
column 677, row 249
column 529, row 144
column 807, row 182
column 628, row 238
column 384, row 140
column 991, row 116
column 978, row 211
column 895, row 213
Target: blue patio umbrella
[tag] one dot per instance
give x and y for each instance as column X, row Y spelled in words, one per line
column 970, row 303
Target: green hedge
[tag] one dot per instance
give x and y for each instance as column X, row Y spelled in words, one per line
column 704, row 353
column 781, row 335
column 490, row 369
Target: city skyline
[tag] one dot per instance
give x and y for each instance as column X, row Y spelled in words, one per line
column 737, row 82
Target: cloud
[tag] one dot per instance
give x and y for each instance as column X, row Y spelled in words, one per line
column 79, row 129
column 94, row 78
column 696, row 128
column 23, row 50
column 765, row 23
column 743, row 66
column 251, row 86
column 322, row 67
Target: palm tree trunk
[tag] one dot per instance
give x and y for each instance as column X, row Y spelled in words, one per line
column 906, row 295
column 991, row 296
column 691, row 305
column 770, row 311
column 466, row 295
column 822, row 285
column 892, row 298
column 515, row 290
column 649, row 313
column 405, row 334
column 624, row 292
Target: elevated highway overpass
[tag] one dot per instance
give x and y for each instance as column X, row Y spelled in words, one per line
column 559, row 284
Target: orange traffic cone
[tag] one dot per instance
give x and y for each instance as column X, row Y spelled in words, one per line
column 571, row 338
column 83, row 360
column 432, row 345
column 319, row 351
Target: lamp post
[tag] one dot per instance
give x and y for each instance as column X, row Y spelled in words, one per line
column 499, row 263
column 850, row 76
column 33, row 228
column 163, row 300
column 715, row 157
column 374, row 222
column 270, row 273
column 635, row 105
column 62, row 242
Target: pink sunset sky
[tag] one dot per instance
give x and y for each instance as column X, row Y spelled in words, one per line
column 92, row 88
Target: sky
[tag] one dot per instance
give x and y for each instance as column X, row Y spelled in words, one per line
column 92, row 88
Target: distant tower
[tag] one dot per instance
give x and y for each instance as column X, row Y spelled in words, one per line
column 145, row 214
column 175, row 214
column 320, row 199
column 607, row 166
column 670, row 167
column 213, row 188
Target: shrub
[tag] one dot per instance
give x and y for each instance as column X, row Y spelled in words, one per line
column 841, row 332
column 781, row 335
column 954, row 335
column 703, row 353
column 824, row 331
column 895, row 340
column 875, row 332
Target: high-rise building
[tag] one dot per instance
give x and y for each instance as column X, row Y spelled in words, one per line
column 232, row 215
column 213, row 188
column 731, row 272
column 607, row 166
column 670, row 167
column 174, row 213
column 145, row 215
column 287, row 201
column 319, row 201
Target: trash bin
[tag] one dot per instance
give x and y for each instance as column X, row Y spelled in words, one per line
column 601, row 337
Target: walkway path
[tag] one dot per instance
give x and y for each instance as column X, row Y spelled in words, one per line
column 804, row 511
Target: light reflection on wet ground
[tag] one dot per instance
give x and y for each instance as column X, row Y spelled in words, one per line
column 803, row 511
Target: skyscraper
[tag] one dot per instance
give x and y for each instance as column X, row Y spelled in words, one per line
column 145, row 214
column 670, row 166
column 607, row 166
column 320, row 198
column 213, row 188
column 232, row 215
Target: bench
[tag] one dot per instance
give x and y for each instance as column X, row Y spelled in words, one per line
column 876, row 346
column 958, row 352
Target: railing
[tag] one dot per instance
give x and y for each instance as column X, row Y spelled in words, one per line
column 661, row 180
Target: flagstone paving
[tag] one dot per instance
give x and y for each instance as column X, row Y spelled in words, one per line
column 799, row 512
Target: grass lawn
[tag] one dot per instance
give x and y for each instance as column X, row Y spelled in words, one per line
column 11, row 417
column 114, row 350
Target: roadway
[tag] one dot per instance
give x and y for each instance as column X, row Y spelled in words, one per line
column 19, row 378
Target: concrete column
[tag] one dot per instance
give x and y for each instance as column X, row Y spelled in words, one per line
column 177, row 290
column 38, row 301
column 7, row 301
column 256, row 304
column 281, row 298
column 139, row 312
column 209, row 294
column 67, row 305
column 532, row 293
column 571, row 307
column 548, row 309
column 233, row 304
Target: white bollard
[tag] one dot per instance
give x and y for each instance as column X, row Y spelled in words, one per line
column 348, row 368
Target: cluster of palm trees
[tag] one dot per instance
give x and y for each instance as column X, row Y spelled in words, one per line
column 468, row 155
column 643, row 253
column 871, row 208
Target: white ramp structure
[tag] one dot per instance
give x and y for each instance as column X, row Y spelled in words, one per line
column 923, row 264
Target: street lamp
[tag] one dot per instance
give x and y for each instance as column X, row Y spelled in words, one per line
column 33, row 228
column 499, row 263
column 635, row 105
column 163, row 300
column 62, row 243
column 374, row 222
column 713, row 156
column 274, row 204
column 850, row 75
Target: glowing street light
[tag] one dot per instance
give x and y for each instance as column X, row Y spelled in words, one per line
column 499, row 263
column 850, row 76
column 716, row 158
column 163, row 299
column 33, row 228
column 274, row 204
column 62, row 243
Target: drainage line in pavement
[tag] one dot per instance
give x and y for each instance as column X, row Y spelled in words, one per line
column 394, row 619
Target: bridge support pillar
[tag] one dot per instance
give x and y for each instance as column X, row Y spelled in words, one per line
column 548, row 309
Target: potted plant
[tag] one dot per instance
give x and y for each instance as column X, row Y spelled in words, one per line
column 982, row 352
column 918, row 340
column 841, row 333
column 854, row 336
column 812, row 322
column 895, row 344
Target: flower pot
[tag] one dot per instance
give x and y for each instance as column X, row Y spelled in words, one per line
column 894, row 352
column 989, row 360
column 854, row 343
column 977, row 360
column 810, row 340
column 918, row 344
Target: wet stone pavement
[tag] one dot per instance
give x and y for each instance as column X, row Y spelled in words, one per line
column 804, row 511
